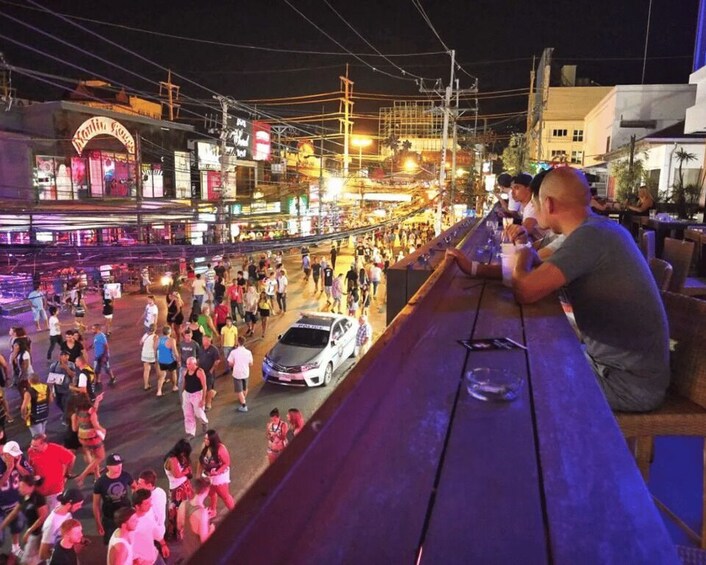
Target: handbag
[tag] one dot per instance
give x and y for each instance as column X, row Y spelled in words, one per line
column 55, row 378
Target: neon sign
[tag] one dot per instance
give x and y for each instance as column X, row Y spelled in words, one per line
column 99, row 125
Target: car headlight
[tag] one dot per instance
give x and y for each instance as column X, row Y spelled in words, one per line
column 310, row 366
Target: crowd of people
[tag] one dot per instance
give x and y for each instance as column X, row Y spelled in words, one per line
column 200, row 341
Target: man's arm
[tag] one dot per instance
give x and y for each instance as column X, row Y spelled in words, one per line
column 473, row 268
column 532, row 280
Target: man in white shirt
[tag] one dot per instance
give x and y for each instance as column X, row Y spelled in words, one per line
column 147, row 531
column 522, row 193
column 148, row 481
column 149, row 318
column 198, row 289
column 282, row 283
column 241, row 360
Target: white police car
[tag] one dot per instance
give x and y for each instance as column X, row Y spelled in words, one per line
column 309, row 352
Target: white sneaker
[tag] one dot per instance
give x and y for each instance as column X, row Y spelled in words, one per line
column 242, row 408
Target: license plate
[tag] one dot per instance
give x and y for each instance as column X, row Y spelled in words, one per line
column 284, row 378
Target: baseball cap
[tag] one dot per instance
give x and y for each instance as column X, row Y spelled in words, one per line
column 13, row 448
column 114, row 459
column 523, row 178
column 72, row 495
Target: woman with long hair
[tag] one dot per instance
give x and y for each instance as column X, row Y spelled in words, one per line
column 91, row 434
column 175, row 314
column 196, row 329
column 264, row 307
column 20, row 358
column 296, row 421
column 214, row 463
column 177, row 467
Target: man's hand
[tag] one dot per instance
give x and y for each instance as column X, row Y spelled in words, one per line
column 100, row 529
column 527, row 259
column 517, row 233
column 454, row 253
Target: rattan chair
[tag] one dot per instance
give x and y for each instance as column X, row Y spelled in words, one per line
column 647, row 243
column 684, row 410
column 662, row 273
column 678, row 253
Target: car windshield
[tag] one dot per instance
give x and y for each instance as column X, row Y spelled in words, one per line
column 305, row 337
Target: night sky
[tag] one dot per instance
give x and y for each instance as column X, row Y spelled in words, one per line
column 494, row 39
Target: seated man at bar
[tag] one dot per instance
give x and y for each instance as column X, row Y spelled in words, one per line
column 615, row 300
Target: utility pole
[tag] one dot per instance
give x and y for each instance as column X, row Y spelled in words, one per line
column 319, row 229
column 172, row 93
column 448, row 91
column 453, row 149
column 138, row 186
column 346, row 123
column 226, row 102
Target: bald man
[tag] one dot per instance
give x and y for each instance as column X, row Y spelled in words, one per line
column 609, row 285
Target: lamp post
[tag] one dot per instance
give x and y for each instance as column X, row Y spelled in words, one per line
column 361, row 142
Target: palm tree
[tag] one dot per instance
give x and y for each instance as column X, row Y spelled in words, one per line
column 392, row 142
column 679, row 190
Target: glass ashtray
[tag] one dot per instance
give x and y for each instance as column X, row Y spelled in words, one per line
column 489, row 384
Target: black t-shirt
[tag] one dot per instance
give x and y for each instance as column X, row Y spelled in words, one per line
column 220, row 270
column 115, row 493
column 352, row 275
column 30, row 506
column 74, row 352
column 252, row 271
column 328, row 276
column 63, row 556
column 208, row 358
column 241, row 281
column 107, row 307
column 316, row 270
column 360, row 250
column 219, row 290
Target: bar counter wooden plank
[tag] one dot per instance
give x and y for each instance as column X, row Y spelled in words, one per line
column 488, row 506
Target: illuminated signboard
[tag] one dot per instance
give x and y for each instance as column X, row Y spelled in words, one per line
column 262, row 141
column 100, row 125
column 209, row 156
column 238, row 141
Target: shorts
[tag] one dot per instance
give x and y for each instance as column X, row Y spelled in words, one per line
column 221, row 478
column 307, row 272
column 327, row 290
column 101, row 363
column 240, row 385
column 151, row 360
column 210, row 381
column 16, row 526
column 39, row 314
column 173, row 366
column 264, row 312
column 250, row 317
column 108, row 316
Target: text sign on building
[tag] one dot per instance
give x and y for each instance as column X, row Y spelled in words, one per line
column 99, row 125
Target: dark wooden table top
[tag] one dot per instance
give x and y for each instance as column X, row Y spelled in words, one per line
column 402, row 465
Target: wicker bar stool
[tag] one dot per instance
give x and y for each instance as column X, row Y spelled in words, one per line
column 684, row 411
column 662, row 273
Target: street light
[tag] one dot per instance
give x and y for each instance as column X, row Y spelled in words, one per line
column 361, row 142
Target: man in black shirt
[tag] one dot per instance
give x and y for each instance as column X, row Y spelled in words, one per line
column 351, row 278
column 110, row 492
column 328, row 283
column 334, row 254
column 209, row 359
column 72, row 346
column 71, row 541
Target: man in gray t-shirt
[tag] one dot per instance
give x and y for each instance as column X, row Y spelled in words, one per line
column 615, row 300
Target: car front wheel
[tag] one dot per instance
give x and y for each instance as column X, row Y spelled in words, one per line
column 328, row 374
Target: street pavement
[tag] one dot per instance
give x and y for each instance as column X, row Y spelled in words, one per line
column 142, row 427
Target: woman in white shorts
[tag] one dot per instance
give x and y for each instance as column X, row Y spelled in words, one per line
column 148, row 355
column 214, row 463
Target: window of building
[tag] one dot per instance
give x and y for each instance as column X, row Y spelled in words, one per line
column 607, row 144
column 558, row 153
column 577, row 157
column 560, row 133
column 578, row 135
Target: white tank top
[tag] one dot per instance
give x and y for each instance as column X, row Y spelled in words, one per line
column 148, row 346
column 114, row 540
column 174, row 482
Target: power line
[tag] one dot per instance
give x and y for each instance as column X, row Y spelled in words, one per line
column 342, row 46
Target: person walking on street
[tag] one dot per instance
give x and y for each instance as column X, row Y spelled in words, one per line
column 363, row 336
column 70, row 502
column 229, row 338
column 375, row 278
column 167, row 356
column 316, row 273
column 111, row 493
column 327, row 274
column 264, row 310
column 214, row 464
column 187, row 348
column 35, row 405
column 337, row 293
column 71, row 542
column 241, row 359
column 192, row 519
column 120, row 551
column 251, row 300
column 148, row 534
column 296, row 421
column 52, row 462
column 84, row 421
column 206, row 322
column 102, row 354
column 150, row 315
column 276, row 433
column 108, row 311
column 235, row 296
column 198, row 291
column 54, row 331
column 175, row 313
column 177, row 467
column 271, row 289
column 194, row 397
column 38, row 302
column 61, row 375
column 209, row 360
column 306, row 267
column 334, row 255
column 282, row 283
column 149, row 342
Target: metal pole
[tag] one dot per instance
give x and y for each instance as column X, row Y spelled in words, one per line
column 647, row 38
column 453, row 150
column 138, row 186
column 444, row 144
column 321, row 176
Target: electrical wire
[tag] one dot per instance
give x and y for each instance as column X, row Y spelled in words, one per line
column 342, row 46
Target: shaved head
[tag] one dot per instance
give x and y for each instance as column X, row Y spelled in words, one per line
column 568, row 187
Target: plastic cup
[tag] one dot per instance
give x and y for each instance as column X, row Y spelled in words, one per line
column 507, row 248
column 507, row 262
